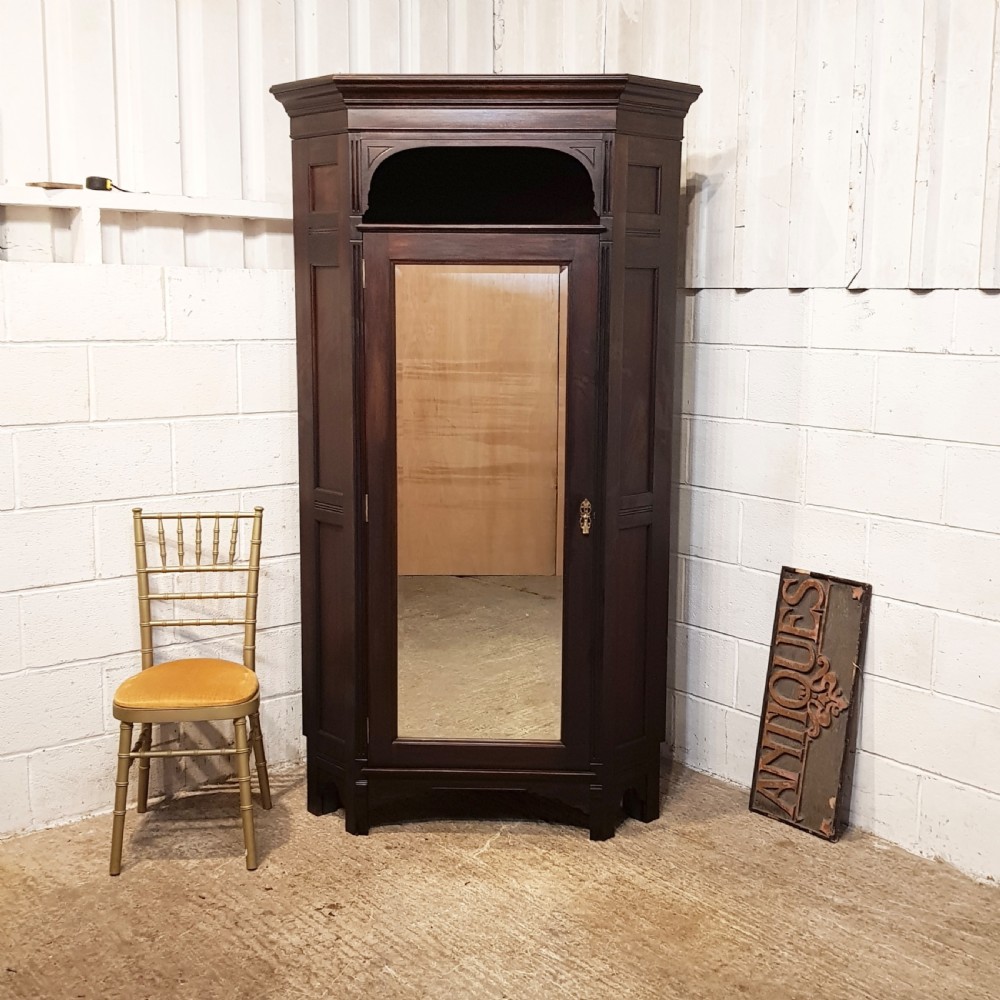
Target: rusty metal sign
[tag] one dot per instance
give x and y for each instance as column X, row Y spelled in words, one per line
column 817, row 649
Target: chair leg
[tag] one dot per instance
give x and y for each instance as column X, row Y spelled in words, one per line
column 246, row 802
column 257, row 742
column 145, row 743
column 121, row 794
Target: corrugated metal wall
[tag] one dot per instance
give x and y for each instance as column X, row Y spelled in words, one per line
column 839, row 143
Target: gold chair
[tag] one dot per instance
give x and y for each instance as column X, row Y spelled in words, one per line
column 192, row 690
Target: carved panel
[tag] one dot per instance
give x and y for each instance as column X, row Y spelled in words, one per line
column 643, row 189
column 817, row 650
column 628, row 632
column 355, row 147
column 324, row 187
column 334, row 457
column 638, row 368
column 376, row 152
column 334, row 589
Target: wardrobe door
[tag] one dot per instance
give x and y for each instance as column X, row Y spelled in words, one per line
column 481, row 434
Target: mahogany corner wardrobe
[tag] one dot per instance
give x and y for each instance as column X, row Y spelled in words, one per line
column 486, row 272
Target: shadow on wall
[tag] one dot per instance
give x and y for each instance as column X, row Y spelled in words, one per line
column 678, row 459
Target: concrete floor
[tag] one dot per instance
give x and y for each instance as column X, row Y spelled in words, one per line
column 708, row 902
column 480, row 657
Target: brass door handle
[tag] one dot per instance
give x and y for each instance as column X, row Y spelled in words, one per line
column 586, row 516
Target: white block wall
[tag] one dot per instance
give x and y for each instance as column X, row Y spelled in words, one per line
column 169, row 388
column 857, row 434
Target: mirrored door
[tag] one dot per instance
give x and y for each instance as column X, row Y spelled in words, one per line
column 471, row 361
column 480, row 433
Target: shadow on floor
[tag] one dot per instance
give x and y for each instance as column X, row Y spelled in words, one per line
column 205, row 823
column 407, row 809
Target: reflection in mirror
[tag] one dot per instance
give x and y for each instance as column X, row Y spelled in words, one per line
column 480, row 415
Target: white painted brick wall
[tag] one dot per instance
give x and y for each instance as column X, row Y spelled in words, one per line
column 123, row 386
column 777, row 534
column 885, row 798
column 882, row 319
column 699, row 733
column 967, row 659
column 946, row 398
column 278, row 658
column 714, row 382
column 10, row 634
column 875, row 474
column 705, row 664
column 235, row 452
column 15, row 803
column 82, row 622
column 872, row 453
column 71, row 780
column 47, row 707
column 6, row 471
column 976, row 323
column 789, row 454
column 267, row 377
column 709, row 524
column 933, row 732
column 135, row 381
column 751, row 669
column 35, row 553
column 63, row 396
column 74, row 463
column 959, row 823
column 82, row 302
column 771, row 317
column 743, row 457
column 940, row 567
column 970, row 501
column 817, row 389
column 724, row 598
column 281, row 505
column 216, row 304
column 901, row 642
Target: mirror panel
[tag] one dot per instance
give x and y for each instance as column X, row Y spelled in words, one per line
column 480, row 416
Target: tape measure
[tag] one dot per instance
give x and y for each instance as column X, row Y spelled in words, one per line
column 107, row 184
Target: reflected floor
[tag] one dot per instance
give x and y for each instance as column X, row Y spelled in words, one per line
column 480, row 657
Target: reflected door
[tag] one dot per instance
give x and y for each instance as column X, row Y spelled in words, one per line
column 472, row 361
column 480, row 357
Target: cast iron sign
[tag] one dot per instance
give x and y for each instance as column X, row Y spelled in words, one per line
column 817, row 649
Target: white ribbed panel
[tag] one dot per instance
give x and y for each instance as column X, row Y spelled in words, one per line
column 839, row 143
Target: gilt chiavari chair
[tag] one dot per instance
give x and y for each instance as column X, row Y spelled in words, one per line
column 198, row 689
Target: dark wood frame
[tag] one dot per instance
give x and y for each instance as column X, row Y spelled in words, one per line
column 383, row 249
column 626, row 131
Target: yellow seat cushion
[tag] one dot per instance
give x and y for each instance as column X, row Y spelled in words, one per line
column 185, row 684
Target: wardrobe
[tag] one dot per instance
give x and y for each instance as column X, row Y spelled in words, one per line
column 486, row 272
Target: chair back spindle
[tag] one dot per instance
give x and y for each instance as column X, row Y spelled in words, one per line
column 161, row 536
column 250, row 614
column 232, row 541
column 248, row 595
column 142, row 578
